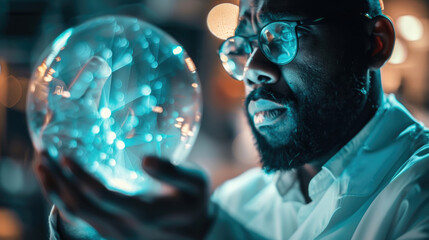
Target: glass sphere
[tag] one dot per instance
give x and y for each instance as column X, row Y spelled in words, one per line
column 111, row 91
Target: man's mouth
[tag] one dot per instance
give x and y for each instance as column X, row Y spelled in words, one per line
column 266, row 112
column 267, row 117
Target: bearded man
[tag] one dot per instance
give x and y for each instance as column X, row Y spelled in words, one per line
column 340, row 160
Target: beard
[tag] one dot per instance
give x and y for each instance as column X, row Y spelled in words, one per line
column 324, row 119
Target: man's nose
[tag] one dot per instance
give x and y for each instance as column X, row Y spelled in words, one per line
column 260, row 70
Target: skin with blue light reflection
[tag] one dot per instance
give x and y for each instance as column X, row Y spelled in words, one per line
column 329, row 92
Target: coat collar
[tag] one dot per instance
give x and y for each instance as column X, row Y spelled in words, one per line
column 364, row 161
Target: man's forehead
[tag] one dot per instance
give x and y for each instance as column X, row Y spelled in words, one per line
column 282, row 8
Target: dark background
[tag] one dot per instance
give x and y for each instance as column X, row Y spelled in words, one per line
column 224, row 145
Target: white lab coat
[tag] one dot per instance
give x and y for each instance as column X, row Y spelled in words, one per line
column 375, row 187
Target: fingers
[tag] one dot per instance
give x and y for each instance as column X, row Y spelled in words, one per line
column 95, row 190
column 150, row 209
column 76, row 182
column 90, row 80
column 120, row 216
column 48, row 183
column 191, row 181
column 111, row 201
column 63, row 190
column 64, row 186
column 120, row 213
column 81, row 174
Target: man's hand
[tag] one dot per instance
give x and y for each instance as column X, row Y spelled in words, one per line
column 181, row 214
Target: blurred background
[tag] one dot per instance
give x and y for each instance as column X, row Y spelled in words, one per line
column 224, row 147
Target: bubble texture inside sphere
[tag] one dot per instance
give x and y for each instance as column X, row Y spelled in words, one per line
column 111, row 91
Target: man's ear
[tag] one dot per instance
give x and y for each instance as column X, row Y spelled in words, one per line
column 382, row 40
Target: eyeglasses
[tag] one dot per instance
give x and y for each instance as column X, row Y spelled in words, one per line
column 277, row 40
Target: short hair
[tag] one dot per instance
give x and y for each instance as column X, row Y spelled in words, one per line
column 371, row 7
column 374, row 7
column 316, row 7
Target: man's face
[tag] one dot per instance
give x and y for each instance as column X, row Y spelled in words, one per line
column 302, row 111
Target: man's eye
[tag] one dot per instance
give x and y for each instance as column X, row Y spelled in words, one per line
column 285, row 36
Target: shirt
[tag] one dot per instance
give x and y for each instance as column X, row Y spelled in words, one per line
column 375, row 187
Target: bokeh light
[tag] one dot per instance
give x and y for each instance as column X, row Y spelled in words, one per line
column 222, row 20
column 11, row 226
column 410, row 27
column 400, row 53
column 11, row 89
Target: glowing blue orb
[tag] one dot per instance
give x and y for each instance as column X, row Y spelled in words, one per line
column 111, row 91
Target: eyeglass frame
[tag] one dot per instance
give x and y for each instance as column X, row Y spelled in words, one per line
column 304, row 22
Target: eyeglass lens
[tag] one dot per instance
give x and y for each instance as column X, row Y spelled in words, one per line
column 279, row 43
column 277, row 40
column 234, row 54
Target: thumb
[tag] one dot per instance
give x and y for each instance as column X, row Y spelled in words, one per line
column 191, row 181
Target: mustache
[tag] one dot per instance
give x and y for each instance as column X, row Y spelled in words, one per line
column 268, row 94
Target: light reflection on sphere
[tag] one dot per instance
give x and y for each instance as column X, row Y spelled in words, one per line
column 111, row 91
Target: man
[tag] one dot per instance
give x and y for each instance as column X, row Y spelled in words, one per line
column 340, row 160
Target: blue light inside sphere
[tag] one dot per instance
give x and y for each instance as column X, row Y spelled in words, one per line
column 111, row 91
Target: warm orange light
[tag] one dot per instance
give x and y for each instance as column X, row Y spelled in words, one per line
column 48, row 78
column 399, row 54
column 190, row 64
column 186, row 132
column 223, row 58
column 391, row 79
column 410, row 27
column 222, row 20
column 382, row 4
column 41, row 69
column 66, row 94
column 13, row 91
column 157, row 109
column 11, row 227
